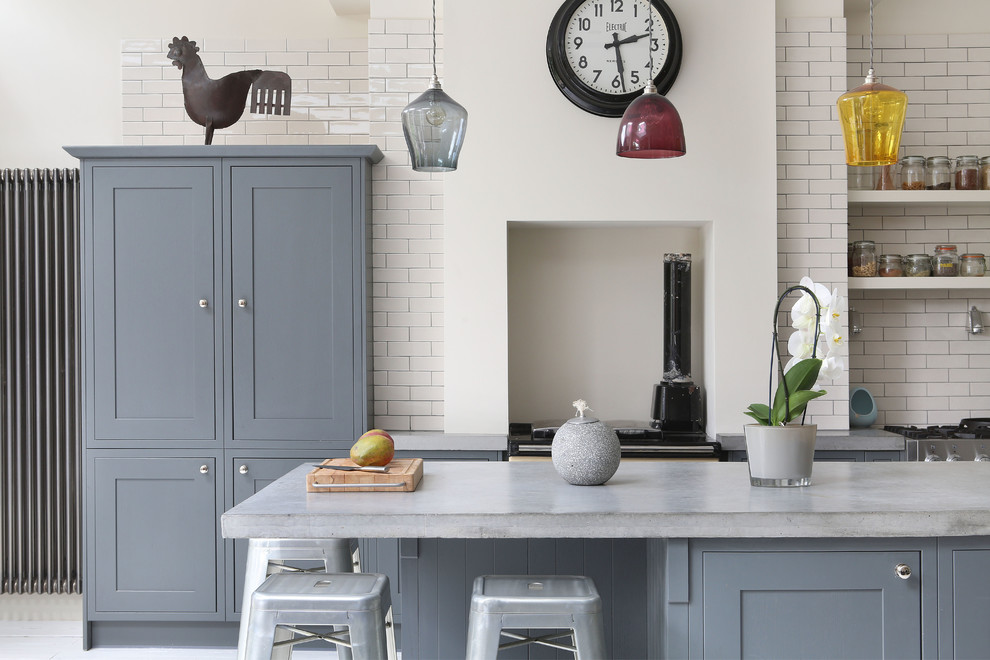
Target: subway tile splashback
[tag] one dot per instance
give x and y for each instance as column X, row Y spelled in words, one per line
column 914, row 352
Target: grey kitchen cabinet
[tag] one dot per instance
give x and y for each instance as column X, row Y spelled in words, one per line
column 155, row 546
column 248, row 475
column 438, row 575
column 964, row 597
column 153, row 317
column 295, row 374
column 801, row 598
column 224, row 308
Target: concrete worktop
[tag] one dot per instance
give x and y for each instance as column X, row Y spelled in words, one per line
column 642, row 500
column 851, row 440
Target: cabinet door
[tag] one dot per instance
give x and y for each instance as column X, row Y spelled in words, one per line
column 155, row 536
column 153, row 303
column 964, row 597
column 294, row 368
column 811, row 605
column 249, row 476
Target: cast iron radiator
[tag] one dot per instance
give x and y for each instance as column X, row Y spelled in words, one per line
column 40, row 512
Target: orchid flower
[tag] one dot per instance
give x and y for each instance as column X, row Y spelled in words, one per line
column 832, row 368
column 827, row 319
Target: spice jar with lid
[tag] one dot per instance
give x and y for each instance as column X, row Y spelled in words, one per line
column 945, row 263
column 864, row 259
column 972, row 265
column 938, row 173
column 967, row 173
column 890, row 266
column 913, row 173
column 985, row 173
column 917, row 265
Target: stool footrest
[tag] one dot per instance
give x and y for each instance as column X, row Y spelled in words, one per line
column 310, row 636
column 543, row 640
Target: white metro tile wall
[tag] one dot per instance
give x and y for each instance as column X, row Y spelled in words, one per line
column 811, row 176
column 329, row 91
column 914, row 353
column 345, row 91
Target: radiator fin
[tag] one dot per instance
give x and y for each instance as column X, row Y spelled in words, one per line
column 40, row 480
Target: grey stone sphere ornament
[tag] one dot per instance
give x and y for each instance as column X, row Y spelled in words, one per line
column 585, row 451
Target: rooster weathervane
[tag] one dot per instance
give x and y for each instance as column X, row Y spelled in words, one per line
column 220, row 103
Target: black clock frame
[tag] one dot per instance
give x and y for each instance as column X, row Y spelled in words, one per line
column 591, row 100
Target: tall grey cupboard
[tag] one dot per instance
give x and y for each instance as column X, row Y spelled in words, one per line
column 223, row 326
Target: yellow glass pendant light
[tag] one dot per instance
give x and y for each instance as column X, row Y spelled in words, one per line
column 872, row 118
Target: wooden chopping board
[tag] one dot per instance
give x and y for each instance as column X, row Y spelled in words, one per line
column 403, row 475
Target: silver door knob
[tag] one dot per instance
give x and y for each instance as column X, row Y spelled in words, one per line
column 204, row 302
column 203, row 469
column 902, row 571
column 242, row 302
column 242, row 469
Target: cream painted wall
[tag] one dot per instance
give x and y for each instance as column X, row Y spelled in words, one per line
column 60, row 81
column 585, row 314
column 531, row 156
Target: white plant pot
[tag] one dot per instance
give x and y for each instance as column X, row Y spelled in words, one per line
column 780, row 455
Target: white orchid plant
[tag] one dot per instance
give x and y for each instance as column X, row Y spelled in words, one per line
column 817, row 346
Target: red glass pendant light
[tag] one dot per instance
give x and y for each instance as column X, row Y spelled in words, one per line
column 651, row 126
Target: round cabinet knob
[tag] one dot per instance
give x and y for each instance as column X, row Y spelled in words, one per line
column 902, row 571
column 242, row 302
column 203, row 469
column 204, row 302
column 243, row 469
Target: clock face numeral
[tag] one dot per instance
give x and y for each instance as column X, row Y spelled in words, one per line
column 612, row 37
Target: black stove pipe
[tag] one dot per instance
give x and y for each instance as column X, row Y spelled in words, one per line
column 677, row 403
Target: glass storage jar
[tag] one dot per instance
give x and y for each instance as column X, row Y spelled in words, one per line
column 945, row 263
column 967, row 173
column 972, row 265
column 985, row 173
column 912, row 173
column 864, row 259
column 890, row 266
column 938, row 173
column 917, row 265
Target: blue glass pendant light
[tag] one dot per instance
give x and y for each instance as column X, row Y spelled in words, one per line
column 434, row 124
column 651, row 126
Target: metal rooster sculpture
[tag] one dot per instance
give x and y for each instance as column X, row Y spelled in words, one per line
column 220, row 103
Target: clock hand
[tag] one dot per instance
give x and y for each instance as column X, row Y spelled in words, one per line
column 629, row 40
column 618, row 59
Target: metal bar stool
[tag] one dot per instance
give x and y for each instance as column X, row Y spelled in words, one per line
column 269, row 556
column 535, row 601
column 360, row 601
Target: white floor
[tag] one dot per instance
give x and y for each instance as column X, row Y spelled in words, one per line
column 62, row 640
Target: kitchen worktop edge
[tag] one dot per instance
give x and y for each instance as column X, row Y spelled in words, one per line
column 837, row 440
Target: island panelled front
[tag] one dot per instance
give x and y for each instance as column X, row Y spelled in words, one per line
column 872, row 560
column 223, row 315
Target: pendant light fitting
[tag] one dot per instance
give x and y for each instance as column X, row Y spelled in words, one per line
column 434, row 124
column 651, row 126
column 872, row 118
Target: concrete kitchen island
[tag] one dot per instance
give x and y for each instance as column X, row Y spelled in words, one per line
column 873, row 559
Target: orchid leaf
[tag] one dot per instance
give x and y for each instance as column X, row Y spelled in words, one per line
column 802, row 376
column 760, row 412
column 799, row 400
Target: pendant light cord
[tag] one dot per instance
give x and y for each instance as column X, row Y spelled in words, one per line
column 871, row 33
column 649, row 6
column 435, row 35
